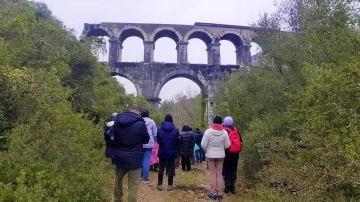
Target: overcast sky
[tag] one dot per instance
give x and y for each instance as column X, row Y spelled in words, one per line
column 74, row 13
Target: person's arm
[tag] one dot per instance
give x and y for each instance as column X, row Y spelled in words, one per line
column 154, row 131
column 205, row 141
column 144, row 133
column 178, row 141
column 227, row 140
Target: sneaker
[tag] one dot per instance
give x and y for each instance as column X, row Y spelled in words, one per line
column 159, row 187
column 212, row 196
column 145, row 181
column 170, row 188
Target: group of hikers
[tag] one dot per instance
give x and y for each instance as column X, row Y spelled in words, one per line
column 135, row 145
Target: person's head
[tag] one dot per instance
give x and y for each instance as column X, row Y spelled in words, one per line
column 168, row 118
column 217, row 120
column 228, row 121
column 186, row 128
column 135, row 109
column 145, row 113
column 113, row 116
column 197, row 130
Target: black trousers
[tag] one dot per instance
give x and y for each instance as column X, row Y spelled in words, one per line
column 186, row 163
column 230, row 170
column 170, row 168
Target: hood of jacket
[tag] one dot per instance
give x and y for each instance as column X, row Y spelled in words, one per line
column 216, row 129
column 167, row 126
column 126, row 119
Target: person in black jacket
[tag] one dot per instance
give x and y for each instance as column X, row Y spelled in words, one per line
column 187, row 143
column 130, row 133
column 200, row 154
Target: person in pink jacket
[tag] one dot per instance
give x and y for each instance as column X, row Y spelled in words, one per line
column 154, row 160
column 214, row 143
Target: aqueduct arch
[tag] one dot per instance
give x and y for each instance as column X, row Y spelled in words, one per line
column 149, row 77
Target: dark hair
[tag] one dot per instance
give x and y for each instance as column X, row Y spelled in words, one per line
column 186, row 128
column 217, row 120
column 145, row 113
column 168, row 118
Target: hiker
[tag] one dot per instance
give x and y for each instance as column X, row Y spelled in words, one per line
column 214, row 143
column 168, row 139
column 152, row 130
column 109, row 139
column 130, row 133
column 199, row 153
column 187, row 142
column 231, row 155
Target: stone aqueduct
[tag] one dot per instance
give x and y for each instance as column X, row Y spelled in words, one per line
column 149, row 76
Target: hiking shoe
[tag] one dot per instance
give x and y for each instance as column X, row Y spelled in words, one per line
column 170, row 188
column 159, row 187
column 145, row 181
column 212, row 196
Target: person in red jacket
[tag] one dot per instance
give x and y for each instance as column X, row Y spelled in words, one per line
column 231, row 156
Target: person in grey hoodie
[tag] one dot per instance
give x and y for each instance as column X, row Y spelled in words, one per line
column 152, row 130
column 214, row 143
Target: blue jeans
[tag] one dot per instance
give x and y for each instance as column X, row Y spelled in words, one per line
column 199, row 155
column 146, row 164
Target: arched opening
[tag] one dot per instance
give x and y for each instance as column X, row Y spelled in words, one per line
column 165, row 50
column 255, row 49
column 102, row 55
column 127, row 84
column 197, row 52
column 184, row 103
column 227, row 53
column 165, row 46
column 133, row 50
column 96, row 32
column 230, row 42
column 198, row 43
column 177, row 86
column 98, row 49
column 132, row 41
column 256, row 53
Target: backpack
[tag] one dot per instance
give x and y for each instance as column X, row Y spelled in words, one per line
column 235, row 140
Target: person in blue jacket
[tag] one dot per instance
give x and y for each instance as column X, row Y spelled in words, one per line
column 130, row 133
column 168, row 140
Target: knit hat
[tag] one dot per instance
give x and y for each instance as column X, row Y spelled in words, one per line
column 217, row 120
column 168, row 118
column 228, row 121
column 113, row 116
column 145, row 113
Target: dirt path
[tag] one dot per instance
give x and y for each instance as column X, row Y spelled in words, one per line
column 189, row 187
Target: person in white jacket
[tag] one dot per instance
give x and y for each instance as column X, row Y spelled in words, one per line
column 214, row 143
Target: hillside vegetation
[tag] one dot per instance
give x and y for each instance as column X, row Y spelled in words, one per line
column 299, row 110
column 54, row 99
